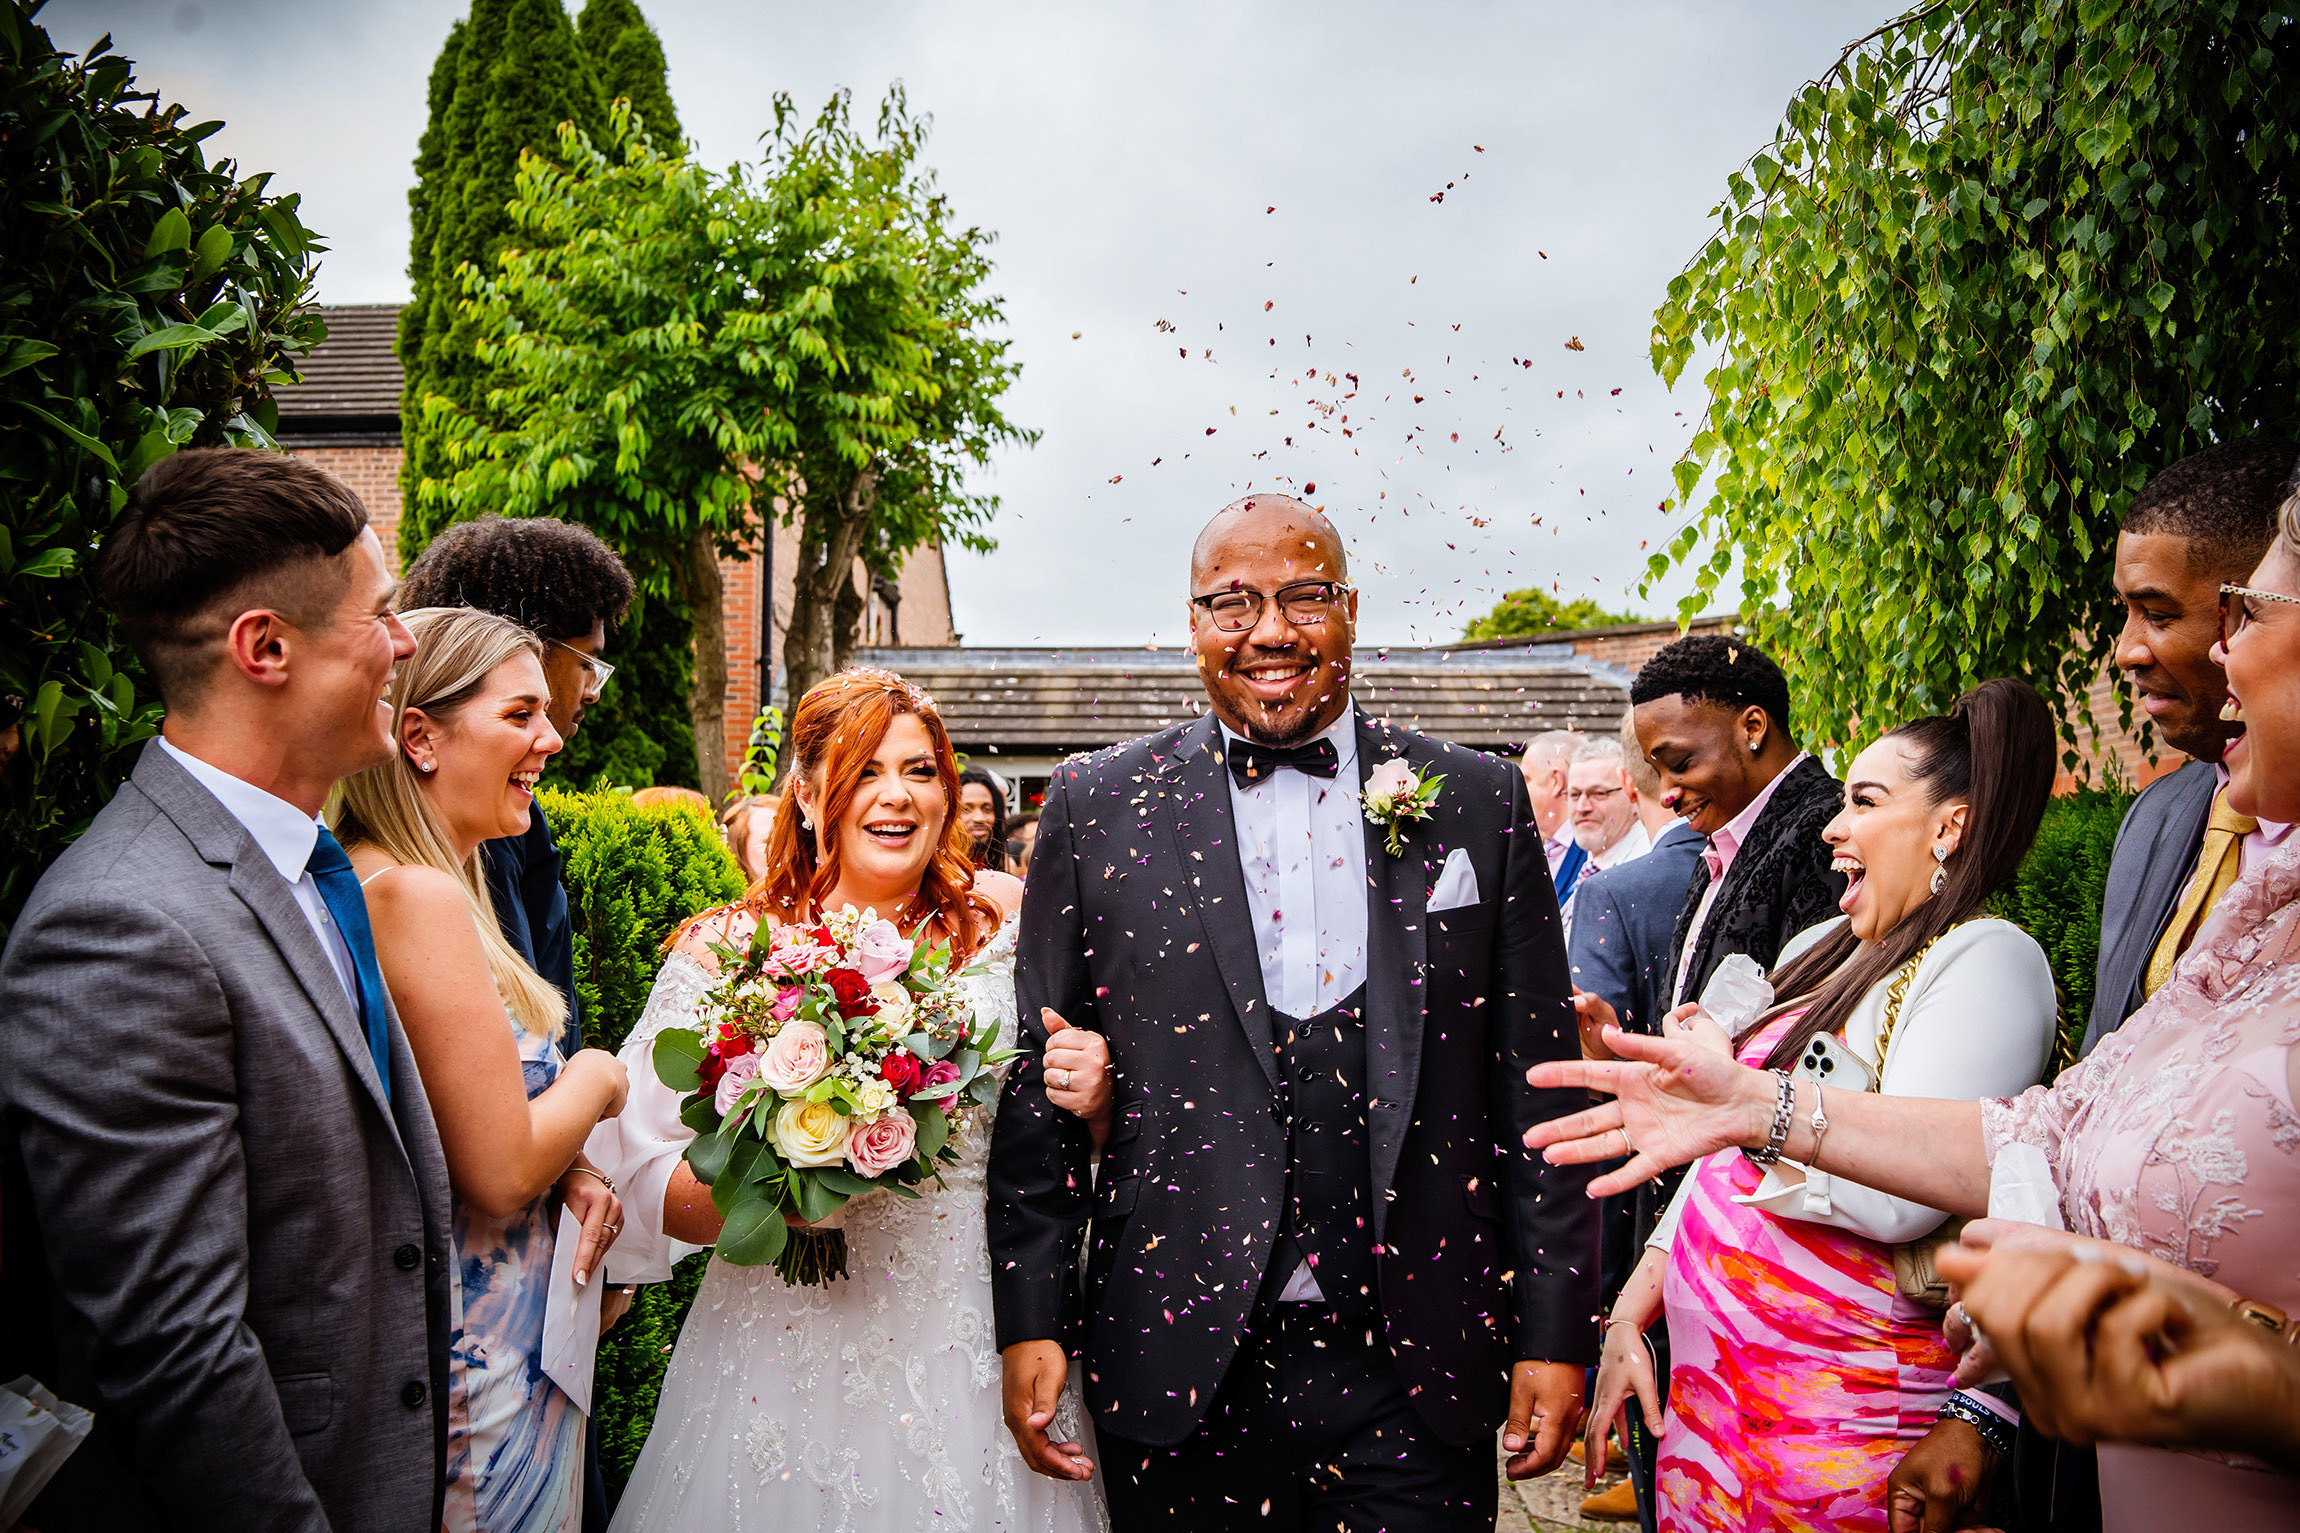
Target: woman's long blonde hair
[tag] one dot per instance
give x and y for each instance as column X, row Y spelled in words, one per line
column 455, row 649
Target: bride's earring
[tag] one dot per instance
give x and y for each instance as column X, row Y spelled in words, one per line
column 1941, row 872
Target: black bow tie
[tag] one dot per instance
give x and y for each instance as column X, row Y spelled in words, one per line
column 1252, row 762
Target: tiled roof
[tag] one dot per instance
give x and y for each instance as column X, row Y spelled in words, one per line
column 1052, row 702
column 351, row 381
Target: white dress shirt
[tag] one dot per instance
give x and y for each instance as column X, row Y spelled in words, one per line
column 285, row 835
column 1302, row 847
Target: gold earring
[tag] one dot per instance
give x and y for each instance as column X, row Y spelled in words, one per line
column 1940, row 872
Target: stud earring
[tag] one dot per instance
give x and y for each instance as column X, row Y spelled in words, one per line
column 1941, row 872
column 428, row 766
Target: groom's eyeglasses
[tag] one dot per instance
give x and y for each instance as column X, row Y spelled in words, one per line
column 1305, row 604
column 2236, row 612
column 596, row 669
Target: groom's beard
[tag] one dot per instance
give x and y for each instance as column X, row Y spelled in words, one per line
column 1300, row 729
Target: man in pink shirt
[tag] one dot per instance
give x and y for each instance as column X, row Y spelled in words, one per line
column 1713, row 716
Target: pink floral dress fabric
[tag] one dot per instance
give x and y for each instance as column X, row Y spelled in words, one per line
column 1798, row 1376
column 2178, row 1137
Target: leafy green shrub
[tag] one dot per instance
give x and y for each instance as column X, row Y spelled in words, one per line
column 2056, row 897
column 633, row 875
column 148, row 300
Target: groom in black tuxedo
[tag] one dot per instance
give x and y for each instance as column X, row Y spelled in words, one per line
column 1322, row 1269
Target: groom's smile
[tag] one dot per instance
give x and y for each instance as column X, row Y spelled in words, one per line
column 1272, row 618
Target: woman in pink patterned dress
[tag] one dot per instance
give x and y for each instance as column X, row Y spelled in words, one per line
column 1798, row 1374
column 2177, row 1138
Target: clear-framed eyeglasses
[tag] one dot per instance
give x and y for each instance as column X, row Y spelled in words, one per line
column 1305, row 604
column 2236, row 612
column 595, row 670
column 1590, row 795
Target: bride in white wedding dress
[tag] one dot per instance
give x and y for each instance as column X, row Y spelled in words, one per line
column 872, row 1404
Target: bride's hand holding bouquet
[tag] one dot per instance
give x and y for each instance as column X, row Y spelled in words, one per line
column 831, row 1059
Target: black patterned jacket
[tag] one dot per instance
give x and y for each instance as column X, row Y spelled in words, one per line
column 1779, row 884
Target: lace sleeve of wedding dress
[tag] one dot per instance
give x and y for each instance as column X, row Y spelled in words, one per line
column 641, row 1148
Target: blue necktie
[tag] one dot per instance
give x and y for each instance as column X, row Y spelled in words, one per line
column 339, row 887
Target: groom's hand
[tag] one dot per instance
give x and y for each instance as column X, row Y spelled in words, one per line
column 1544, row 1399
column 1032, row 1373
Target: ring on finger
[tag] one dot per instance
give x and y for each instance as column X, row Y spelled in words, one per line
column 1627, row 1146
column 1059, row 1085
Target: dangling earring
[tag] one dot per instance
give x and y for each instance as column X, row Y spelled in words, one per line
column 1940, row 873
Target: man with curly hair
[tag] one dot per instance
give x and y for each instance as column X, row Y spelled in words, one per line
column 561, row 581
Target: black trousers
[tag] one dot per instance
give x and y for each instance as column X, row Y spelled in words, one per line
column 1310, row 1431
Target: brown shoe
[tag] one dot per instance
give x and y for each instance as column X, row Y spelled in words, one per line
column 1579, row 1453
column 1617, row 1503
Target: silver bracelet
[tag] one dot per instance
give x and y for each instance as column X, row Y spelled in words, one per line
column 1820, row 1123
column 1783, row 1111
column 604, row 1179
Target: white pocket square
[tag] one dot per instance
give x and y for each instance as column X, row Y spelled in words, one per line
column 1456, row 883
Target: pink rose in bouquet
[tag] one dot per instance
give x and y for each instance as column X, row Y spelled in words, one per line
column 796, row 1057
column 881, row 953
column 941, row 1073
column 787, row 1003
column 741, row 1070
column 880, row 1144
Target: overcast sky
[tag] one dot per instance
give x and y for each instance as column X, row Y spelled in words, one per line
column 1174, row 188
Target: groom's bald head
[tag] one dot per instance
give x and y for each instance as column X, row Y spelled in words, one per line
column 1297, row 534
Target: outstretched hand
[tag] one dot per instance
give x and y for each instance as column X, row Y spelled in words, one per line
column 1674, row 1102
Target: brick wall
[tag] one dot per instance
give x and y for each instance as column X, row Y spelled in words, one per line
column 373, row 474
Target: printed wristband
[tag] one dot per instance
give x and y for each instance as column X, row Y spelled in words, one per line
column 1994, row 1429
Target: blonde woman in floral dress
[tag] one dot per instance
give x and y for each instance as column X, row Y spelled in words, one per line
column 871, row 1404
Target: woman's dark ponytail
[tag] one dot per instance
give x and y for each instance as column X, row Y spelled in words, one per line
column 1995, row 751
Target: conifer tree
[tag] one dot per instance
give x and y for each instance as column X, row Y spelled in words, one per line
column 628, row 58
column 510, row 73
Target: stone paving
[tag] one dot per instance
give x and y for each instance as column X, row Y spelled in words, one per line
column 1550, row 1504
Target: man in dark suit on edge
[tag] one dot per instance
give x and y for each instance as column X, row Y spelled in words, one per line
column 1322, row 1268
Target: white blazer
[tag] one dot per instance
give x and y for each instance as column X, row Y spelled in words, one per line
column 1978, row 1021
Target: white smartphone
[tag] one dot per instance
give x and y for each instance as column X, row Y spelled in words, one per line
column 1826, row 1061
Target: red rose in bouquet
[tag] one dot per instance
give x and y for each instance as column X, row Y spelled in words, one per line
column 852, row 991
column 902, row 1070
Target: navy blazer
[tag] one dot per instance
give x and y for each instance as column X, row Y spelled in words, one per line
column 1624, row 921
column 530, row 897
column 2155, row 853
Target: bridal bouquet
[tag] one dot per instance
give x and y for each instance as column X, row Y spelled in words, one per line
column 829, row 1060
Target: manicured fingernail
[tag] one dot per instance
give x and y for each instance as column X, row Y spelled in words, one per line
column 582, row 1278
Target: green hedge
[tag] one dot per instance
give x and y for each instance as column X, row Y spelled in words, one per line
column 2056, row 898
column 632, row 876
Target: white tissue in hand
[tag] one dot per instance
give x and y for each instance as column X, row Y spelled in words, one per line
column 2021, row 1187
column 1736, row 993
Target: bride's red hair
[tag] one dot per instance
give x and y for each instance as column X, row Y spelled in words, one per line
column 835, row 731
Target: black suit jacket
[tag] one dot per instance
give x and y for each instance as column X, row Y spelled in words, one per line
column 1135, row 924
column 2156, row 849
column 1624, row 926
column 1779, row 884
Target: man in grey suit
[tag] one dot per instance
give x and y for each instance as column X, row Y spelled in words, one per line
column 2205, row 521
column 239, row 1195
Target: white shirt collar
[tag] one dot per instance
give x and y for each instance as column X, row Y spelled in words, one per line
column 1343, row 732
column 281, row 831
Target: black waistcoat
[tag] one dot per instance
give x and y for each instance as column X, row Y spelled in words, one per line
column 1329, row 1204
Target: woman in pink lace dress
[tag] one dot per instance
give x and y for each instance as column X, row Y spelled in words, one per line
column 2177, row 1138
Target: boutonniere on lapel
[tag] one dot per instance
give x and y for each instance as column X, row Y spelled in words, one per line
column 1394, row 795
